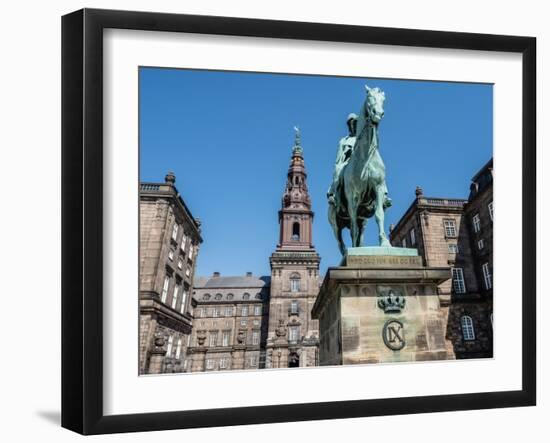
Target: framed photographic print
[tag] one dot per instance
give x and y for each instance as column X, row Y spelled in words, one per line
column 269, row 221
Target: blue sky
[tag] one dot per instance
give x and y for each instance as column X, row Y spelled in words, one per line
column 228, row 137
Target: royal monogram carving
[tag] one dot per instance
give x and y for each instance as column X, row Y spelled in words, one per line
column 393, row 335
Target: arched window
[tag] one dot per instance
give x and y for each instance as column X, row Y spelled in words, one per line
column 229, row 296
column 246, row 296
column 296, row 231
column 467, row 324
column 218, row 297
column 295, row 282
column 206, row 297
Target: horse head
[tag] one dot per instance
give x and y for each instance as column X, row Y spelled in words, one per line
column 374, row 104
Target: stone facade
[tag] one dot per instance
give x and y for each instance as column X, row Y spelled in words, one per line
column 293, row 336
column 169, row 244
column 458, row 233
column 230, row 323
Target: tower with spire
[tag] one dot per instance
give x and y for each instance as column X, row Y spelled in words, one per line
column 293, row 336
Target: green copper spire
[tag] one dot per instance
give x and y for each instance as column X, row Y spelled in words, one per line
column 297, row 149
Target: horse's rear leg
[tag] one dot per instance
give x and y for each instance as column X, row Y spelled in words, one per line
column 336, row 228
column 362, row 223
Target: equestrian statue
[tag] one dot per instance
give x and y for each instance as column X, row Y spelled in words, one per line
column 358, row 190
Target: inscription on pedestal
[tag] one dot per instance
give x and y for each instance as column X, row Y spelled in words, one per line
column 383, row 261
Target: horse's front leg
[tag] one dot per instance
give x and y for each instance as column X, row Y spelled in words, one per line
column 379, row 214
column 354, row 222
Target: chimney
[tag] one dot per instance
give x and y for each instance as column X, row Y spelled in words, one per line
column 216, row 274
column 249, row 274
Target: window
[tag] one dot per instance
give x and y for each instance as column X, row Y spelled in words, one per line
column 413, row 237
column 453, row 248
column 175, row 232
column 218, row 297
column 244, row 311
column 243, row 322
column 165, row 285
column 213, row 339
column 256, row 322
column 293, row 333
column 480, row 244
column 404, row 242
column 467, row 328
column 200, row 313
column 215, row 312
column 476, row 223
column 294, row 307
column 295, row 282
column 169, row 346
column 180, row 263
column 184, row 300
column 171, row 254
column 206, row 297
column 177, row 287
column 178, row 349
column 183, row 241
column 228, row 311
column 229, row 296
column 223, row 363
column 246, row 296
column 258, row 310
column 487, row 277
column 191, row 246
column 188, row 272
column 253, row 361
column 490, row 207
column 209, row 364
column 255, row 337
column 450, row 228
column 296, row 231
column 225, row 338
column 458, row 281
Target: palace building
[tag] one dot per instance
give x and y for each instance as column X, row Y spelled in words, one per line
column 458, row 233
column 230, row 323
column 169, row 240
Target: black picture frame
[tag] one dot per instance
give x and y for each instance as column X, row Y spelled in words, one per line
column 82, row 216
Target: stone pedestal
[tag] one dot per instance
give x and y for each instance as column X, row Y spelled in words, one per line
column 381, row 305
column 156, row 362
column 237, row 357
column 198, row 358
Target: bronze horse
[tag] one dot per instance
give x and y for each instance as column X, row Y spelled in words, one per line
column 362, row 191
